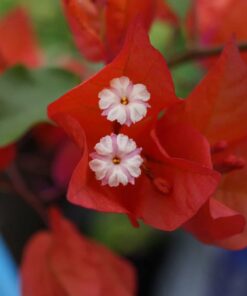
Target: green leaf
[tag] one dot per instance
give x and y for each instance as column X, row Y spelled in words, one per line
column 180, row 7
column 24, row 96
column 186, row 77
column 161, row 35
column 6, row 5
column 116, row 232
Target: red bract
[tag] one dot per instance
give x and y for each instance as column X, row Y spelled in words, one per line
column 64, row 163
column 49, row 137
column 62, row 262
column 74, row 66
column 176, row 176
column 214, row 22
column 224, row 222
column 53, row 140
column 99, row 27
column 17, row 46
column 218, row 108
column 165, row 13
column 17, row 42
column 233, row 192
column 7, row 154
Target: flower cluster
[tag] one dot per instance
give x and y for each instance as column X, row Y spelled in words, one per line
column 173, row 179
column 165, row 182
column 117, row 159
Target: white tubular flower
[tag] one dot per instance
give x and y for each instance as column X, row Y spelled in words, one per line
column 116, row 161
column 124, row 101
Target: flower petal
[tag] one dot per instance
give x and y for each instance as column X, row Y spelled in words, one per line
column 72, row 266
column 18, row 44
column 140, row 62
column 217, row 107
column 215, row 222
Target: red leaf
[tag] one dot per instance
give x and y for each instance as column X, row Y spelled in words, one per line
column 85, row 22
column 18, row 44
column 49, row 137
column 232, row 192
column 217, row 106
column 64, row 163
column 189, row 182
column 120, row 14
column 7, row 154
column 185, row 164
column 165, row 13
column 100, row 27
column 40, row 280
column 141, row 63
column 205, row 23
column 187, row 171
column 215, row 222
column 73, row 266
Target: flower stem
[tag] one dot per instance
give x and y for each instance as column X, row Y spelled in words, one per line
column 200, row 53
column 23, row 191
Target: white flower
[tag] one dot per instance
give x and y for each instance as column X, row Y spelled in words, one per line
column 116, row 161
column 124, row 101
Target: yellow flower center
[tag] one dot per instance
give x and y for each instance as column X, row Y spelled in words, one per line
column 124, row 101
column 116, row 160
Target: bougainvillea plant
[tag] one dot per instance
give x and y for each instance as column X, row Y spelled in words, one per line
column 99, row 127
column 124, row 101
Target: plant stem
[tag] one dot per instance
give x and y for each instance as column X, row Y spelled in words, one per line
column 23, row 191
column 200, row 53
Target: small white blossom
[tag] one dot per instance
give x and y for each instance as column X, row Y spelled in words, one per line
column 124, row 101
column 116, row 160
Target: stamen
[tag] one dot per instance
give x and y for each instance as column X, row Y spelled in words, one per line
column 124, row 101
column 116, row 160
